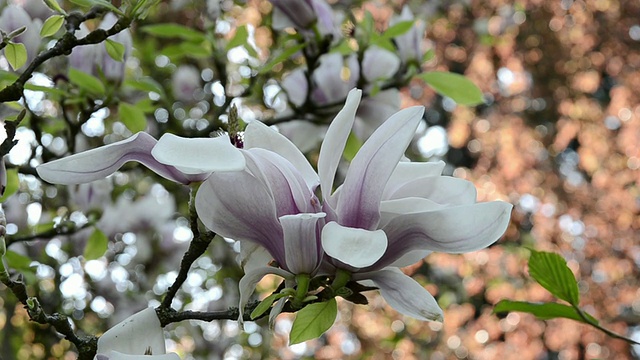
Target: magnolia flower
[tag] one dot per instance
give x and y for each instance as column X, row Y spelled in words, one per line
column 409, row 44
column 138, row 337
column 303, row 15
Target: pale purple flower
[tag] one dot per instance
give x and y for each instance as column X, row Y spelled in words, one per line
column 139, row 337
column 303, row 15
column 409, row 44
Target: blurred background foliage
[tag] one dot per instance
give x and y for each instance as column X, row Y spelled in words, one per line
column 557, row 136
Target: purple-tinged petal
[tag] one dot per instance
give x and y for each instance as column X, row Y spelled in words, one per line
column 330, row 86
column 445, row 190
column 288, row 188
column 300, row 13
column 198, row 155
column 239, row 206
column 135, row 335
column 301, row 246
column 456, row 229
column 259, row 135
column 296, row 86
column 335, row 141
column 101, row 162
column 404, row 294
column 359, row 202
column 249, row 281
column 355, row 247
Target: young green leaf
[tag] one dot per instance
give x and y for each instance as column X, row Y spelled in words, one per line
column 132, row 117
column 102, row 3
column 266, row 304
column 16, row 54
column 398, row 29
column 96, row 245
column 115, row 50
column 13, row 183
column 550, row 270
column 53, row 5
column 455, row 86
column 86, row 82
column 313, row 320
column 51, row 25
column 542, row 311
column 239, row 38
column 174, row 31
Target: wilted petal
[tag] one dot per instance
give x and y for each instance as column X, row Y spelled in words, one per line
column 301, row 247
column 259, row 135
column 335, row 141
column 404, row 294
column 198, row 155
column 456, row 229
column 358, row 205
column 101, row 162
column 238, row 206
column 248, row 283
column 115, row 355
column 135, row 335
column 355, row 247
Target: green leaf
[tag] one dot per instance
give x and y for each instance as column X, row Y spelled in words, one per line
column 86, row 82
column 103, row 3
column 352, row 147
column 313, row 320
column 53, row 5
column 239, row 38
column 132, row 117
column 17, row 261
column 46, row 89
column 146, row 84
column 455, row 86
column 96, row 245
column 52, row 25
column 174, row 31
column 115, row 50
column 284, row 55
column 16, row 54
column 550, row 270
column 542, row 311
column 430, row 54
column 266, row 304
column 13, row 184
column 398, row 29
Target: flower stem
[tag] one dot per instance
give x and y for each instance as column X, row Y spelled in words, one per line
column 301, row 290
column 341, row 279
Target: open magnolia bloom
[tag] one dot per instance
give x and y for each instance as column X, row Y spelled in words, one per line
column 386, row 214
column 138, row 337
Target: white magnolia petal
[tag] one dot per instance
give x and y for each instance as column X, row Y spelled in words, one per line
column 103, row 161
column 198, row 155
column 456, row 229
column 248, row 283
column 135, row 335
column 410, row 258
column 374, row 111
column 444, row 190
column 259, row 135
column 335, row 141
column 404, row 294
column 372, row 167
column 355, row 247
column 253, row 256
column 305, row 135
column 407, row 171
column 116, row 355
column 301, row 246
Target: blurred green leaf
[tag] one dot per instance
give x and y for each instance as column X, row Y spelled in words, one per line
column 542, row 311
column 115, row 50
column 455, row 86
column 174, row 31
column 284, row 55
column 52, row 25
column 398, row 29
column 13, row 184
column 86, row 82
column 266, row 304
column 132, row 117
column 239, row 38
column 16, row 54
column 53, row 5
column 313, row 320
column 352, row 147
column 550, row 270
column 145, row 84
column 96, row 245
column 17, row 261
column 103, row 3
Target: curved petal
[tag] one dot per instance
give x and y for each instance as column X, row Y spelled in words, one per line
column 359, row 202
column 456, row 229
column 101, row 162
column 248, row 284
column 259, row 135
column 404, row 294
column 198, row 155
column 253, row 255
column 335, row 141
column 305, row 135
column 444, row 190
column 390, row 209
column 135, row 335
column 238, row 206
column 407, row 171
column 410, row 258
column 116, row 355
column 355, row 247
column 301, row 246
